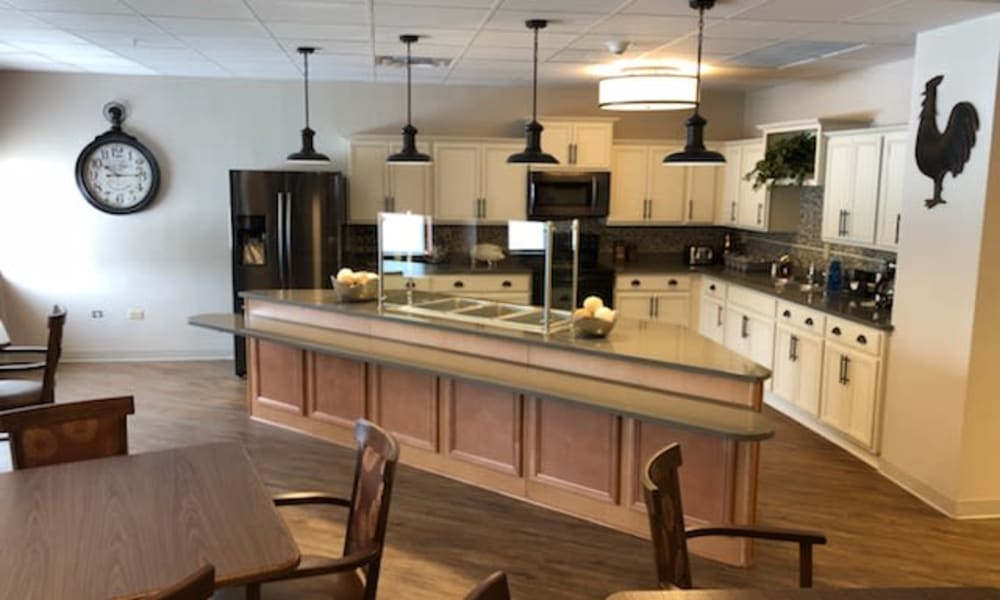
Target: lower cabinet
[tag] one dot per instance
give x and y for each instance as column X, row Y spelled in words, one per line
column 750, row 334
column 850, row 389
column 798, row 366
column 654, row 297
column 712, row 319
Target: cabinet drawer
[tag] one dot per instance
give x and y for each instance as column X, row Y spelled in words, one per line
column 854, row 336
column 481, row 283
column 663, row 282
column 751, row 300
column 713, row 288
column 800, row 317
column 400, row 282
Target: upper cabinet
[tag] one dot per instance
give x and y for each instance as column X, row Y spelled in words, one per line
column 644, row 191
column 473, row 181
column 863, row 187
column 375, row 186
column 743, row 207
column 578, row 143
column 774, row 133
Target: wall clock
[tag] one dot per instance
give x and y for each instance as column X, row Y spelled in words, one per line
column 116, row 173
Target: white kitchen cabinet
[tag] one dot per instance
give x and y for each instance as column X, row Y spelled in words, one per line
column 702, row 191
column 850, row 198
column 850, row 392
column 798, row 365
column 741, row 206
column 660, row 297
column 751, row 202
column 629, row 182
column 712, row 319
column 578, row 143
column 473, row 181
column 890, row 203
column 749, row 334
column 375, row 186
column 644, row 191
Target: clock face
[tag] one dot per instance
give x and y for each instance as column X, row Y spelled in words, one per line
column 118, row 176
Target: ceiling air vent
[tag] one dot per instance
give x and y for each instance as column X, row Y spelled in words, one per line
column 425, row 62
column 792, row 53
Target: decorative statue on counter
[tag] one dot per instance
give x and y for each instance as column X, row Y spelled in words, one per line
column 940, row 153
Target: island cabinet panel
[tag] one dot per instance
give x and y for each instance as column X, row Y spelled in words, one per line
column 284, row 386
column 338, row 390
column 573, row 449
column 405, row 403
column 482, row 426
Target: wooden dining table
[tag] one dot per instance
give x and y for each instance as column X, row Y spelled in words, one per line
column 904, row 593
column 128, row 526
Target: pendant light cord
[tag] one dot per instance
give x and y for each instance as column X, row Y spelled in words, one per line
column 701, row 30
column 305, row 62
column 409, row 84
column 534, row 81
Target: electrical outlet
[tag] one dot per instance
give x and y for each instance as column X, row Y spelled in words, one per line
column 97, row 314
column 136, row 314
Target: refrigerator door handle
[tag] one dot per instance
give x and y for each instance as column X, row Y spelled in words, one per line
column 287, row 234
column 282, row 276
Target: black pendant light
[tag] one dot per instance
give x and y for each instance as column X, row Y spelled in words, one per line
column 695, row 153
column 308, row 153
column 533, row 131
column 409, row 155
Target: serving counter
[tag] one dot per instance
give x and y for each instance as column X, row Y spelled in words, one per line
column 559, row 421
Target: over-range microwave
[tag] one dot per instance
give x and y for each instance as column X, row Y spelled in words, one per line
column 568, row 194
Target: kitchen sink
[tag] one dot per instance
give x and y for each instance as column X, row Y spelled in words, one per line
column 487, row 313
column 497, row 311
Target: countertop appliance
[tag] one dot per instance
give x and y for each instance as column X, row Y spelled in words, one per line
column 287, row 233
column 699, row 255
column 568, row 195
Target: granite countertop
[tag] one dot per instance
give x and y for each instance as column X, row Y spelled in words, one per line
column 641, row 341
column 842, row 304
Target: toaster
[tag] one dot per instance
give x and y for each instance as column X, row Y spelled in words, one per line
column 699, row 255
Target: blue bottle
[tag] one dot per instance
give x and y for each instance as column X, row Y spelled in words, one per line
column 834, row 277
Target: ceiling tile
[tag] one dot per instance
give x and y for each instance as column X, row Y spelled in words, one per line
column 567, row 21
column 119, row 69
column 198, row 9
column 742, row 29
column 444, row 37
column 230, row 44
column 668, row 27
column 12, row 19
column 589, row 6
column 482, row 52
column 523, row 39
column 33, row 62
column 416, row 17
column 189, row 69
column 320, row 31
column 173, row 55
column 721, row 10
column 713, row 47
column 328, row 46
column 484, row 4
column 424, row 50
column 109, row 23
column 118, row 39
column 325, row 13
column 211, row 27
column 105, row 7
column 38, row 36
column 814, row 12
column 924, row 14
column 860, row 32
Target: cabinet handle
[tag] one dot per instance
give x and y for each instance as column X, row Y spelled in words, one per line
column 718, row 316
column 732, row 212
column 410, row 285
column 656, row 307
column 897, row 227
column 809, row 321
column 862, row 340
column 835, row 331
column 672, row 283
column 651, row 314
column 787, row 314
column 458, row 284
column 690, row 210
column 386, row 204
column 392, row 203
column 484, row 207
column 506, row 284
column 760, row 213
column 793, row 349
column 636, row 283
column 846, row 228
column 744, row 333
column 841, row 378
column 846, row 363
column 712, row 287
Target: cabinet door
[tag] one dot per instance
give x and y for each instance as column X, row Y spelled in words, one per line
column 666, row 188
column 367, row 183
column 504, row 185
column 890, row 200
column 859, row 222
column 410, row 185
column 752, row 204
column 838, row 185
column 809, row 357
column 593, row 145
column 628, row 184
column 672, row 308
column 761, row 349
column 634, row 306
column 862, row 373
column 835, row 405
column 737, row 331
column 787, row 368
column 456, row 178
column 557, row 136
column 701, row 194
column 732, row 182
column 711, row 321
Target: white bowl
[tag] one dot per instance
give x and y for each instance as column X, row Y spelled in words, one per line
column 362, row 292
column 592, row 327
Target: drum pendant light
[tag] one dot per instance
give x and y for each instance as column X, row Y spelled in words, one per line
column 307, row 154
column 409, row 155
column 695, row 153
column 533, row 131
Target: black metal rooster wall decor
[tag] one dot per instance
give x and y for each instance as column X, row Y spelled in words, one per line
column 941, row 153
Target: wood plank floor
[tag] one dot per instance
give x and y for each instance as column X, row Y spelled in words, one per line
column 443, row 535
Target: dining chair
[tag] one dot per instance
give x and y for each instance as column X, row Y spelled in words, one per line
column 666, row 522
column 19, row 392
column 199, row 585
column 493, row 587
column 353, row 575
column 66, row 432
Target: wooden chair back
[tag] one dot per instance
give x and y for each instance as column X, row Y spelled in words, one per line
column 493, row 587
column 59, row 433
column 375, row 468
column 199, row 585
column 666, row 518
column 53, row 351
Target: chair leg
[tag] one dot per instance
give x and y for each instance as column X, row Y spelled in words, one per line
column 805, row 565
column 253, row 591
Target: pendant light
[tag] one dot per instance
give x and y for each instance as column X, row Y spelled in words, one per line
column 695, row 153
column 648, row 88
column 409, row 155
column 533, row 131
column 307, row 154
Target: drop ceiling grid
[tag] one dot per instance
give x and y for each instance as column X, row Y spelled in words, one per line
column 484, row 38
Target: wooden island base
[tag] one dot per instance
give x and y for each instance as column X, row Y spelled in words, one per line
column 316, row 371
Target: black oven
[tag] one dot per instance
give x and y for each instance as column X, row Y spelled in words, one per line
column 568, row 195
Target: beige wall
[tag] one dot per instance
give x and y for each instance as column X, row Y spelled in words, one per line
column 941, row 422
column 172, row 260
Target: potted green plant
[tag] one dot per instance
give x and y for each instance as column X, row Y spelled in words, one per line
column 788, row 160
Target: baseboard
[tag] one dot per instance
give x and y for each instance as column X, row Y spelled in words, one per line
column 984, row 508
column 809, row 422
column 85, row 356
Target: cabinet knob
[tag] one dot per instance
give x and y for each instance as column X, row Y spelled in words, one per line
column 712, row 287
column 835, row 331
column 410, row 285
column 458, row 284
column 672, row 283
column 506, row 284
column 862, row 340
column 635, row 283
column 809, row 321
column 787, row 314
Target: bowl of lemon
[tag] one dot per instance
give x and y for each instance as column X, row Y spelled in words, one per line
column 593, row 319
column 355, row 286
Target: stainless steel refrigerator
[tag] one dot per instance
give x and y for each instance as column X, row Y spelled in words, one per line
column 287, row 229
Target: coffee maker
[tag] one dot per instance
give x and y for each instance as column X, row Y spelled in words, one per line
column 885, row 288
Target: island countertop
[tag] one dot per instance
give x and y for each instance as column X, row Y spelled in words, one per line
column 635, row 340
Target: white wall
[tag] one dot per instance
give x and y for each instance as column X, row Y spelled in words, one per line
column 878, row 93
column 941, row 422
column 172, row 259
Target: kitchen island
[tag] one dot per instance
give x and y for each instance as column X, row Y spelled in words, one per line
column 556, row 420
